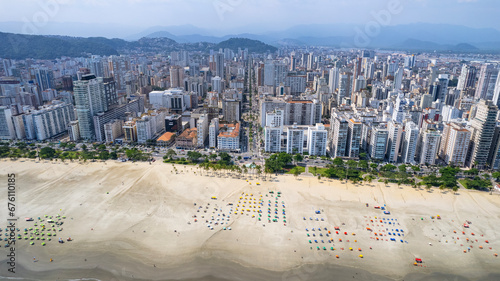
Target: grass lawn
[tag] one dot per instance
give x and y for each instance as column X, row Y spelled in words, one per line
column 289, row 169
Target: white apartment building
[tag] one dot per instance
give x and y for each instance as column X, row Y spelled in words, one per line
column 317, row 140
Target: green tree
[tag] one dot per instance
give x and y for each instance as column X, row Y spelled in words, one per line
column 388, row 168
column 170, row 154
column 298, row 158
column 47, row 153
column 104, row 155
column 113, row 155
column 363, row 156
column 338, row 162
column 402, row 168
column 496, row 175
column 194, row 156
column 352, row 164
column 363, row 164
column 296, row 172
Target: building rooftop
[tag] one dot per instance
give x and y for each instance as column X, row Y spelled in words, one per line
column 233, row 130
column 189, row 133
column 166, row 137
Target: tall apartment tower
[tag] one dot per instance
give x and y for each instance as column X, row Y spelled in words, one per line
column 333, row 82
column 483, row 129
column 176, row 76
column 339, row 131
column 486, row 82
column 378, row 142
column 219, row 65
column 429, row 146
column 454, row 144
column 90, row 99
column 354, row 131
column 410, row 143
column 394, row 141
column 467, row 78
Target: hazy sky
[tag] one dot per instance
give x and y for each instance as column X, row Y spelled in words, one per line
column 247, row 15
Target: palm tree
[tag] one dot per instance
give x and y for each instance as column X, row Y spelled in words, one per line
column 441, row 187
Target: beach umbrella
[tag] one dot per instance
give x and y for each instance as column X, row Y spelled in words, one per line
column 337, row 256
column 361, row 256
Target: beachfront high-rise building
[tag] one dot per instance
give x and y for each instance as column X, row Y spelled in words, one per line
column 316, row 140
column 394, row 141
column 483, row 129
column 339, row 136
column 48, row 121
column 410, row 140
column 429, row 147
column 295, row 140
column 202, row 125
column 213, row 132
column 378, row 142
column 7, row 131
column 354, row 131
column 90, row 99
column 272, row 139
column 454, row 144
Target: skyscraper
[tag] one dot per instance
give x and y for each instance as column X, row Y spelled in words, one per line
column 378, row 142
column 219, row 65
column 486, row 82
column 6, row 126
column 394, row 141
column 483, row 129
column 354, row 138
column 90, row 99
column 410, row 140
column 176, row 76
column 467, row 77
column 316, row 140
column 398, row 79
column 454, row 144
column 333, row 82
column 429, row 146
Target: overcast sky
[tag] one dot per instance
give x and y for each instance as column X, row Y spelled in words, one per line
column 248, row 15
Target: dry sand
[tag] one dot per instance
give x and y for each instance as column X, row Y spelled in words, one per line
column 140, row 229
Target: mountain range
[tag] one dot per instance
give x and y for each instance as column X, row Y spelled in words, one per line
column 412, row 37
column 430, row 37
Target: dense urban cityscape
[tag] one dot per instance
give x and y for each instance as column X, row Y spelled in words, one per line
column 250, row 140
column 394, row 107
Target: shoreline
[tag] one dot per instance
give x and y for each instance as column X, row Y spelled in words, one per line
column 109, row 228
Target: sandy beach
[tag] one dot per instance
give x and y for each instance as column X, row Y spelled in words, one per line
column 135, row 221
